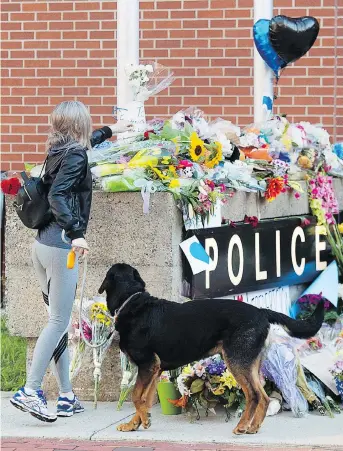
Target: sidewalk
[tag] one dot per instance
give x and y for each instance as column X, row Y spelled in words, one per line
column 96, row 429
column 64, row 445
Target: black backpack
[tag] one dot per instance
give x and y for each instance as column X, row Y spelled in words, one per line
column 32, row 205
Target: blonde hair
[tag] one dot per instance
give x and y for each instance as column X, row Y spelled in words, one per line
column 70, row 120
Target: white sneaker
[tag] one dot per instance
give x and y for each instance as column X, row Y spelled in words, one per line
column 35, row 404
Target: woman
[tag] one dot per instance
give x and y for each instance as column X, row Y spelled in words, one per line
column 69, row 183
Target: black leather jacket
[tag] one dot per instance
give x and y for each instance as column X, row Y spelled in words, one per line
column 69, row 184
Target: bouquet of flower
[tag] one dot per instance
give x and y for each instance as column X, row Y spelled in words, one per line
column 337, row 369
column 308, row 304
column 148, row 79
column 324, row 206
column 281, row 367
column 129, row 376
column 102, row 336
column 208, row 383
column 10, row 183
column 77, row 347
column 96, row 335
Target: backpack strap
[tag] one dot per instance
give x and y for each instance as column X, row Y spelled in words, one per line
column 25, row 177
column 44, row 165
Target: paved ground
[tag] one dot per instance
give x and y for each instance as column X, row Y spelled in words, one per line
column 96, row 429
column 64, row 445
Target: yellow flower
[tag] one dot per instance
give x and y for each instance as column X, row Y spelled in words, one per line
column 198, row 148
column 286, row 141
column 160, row 174
column 321, row 230
column 228, row 380
column 99, row 306
column 340, row 227
column 172, row 170
column 219, row 390
column 316, row 203
column 304, row 162
column 187, row 370
column 174, row 184
column 166, row 160
column 217, row 157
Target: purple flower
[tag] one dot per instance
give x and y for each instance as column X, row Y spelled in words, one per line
column 216, row 368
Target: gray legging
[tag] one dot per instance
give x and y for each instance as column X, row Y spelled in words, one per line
column 58, row 285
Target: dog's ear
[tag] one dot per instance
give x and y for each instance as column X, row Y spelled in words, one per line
column 104, row 286
column 138, row 278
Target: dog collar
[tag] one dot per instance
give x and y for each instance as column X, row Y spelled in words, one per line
column 116, row 313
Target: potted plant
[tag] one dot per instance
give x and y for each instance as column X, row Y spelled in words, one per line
column 167, row 392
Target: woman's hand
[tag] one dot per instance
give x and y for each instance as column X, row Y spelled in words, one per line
column 121, row 127
column 80, row 246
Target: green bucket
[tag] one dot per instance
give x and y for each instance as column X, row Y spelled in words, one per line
column 167, row 390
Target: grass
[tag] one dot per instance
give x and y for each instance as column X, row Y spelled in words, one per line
column 13, row 360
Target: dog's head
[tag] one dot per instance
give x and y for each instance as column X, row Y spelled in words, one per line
column 120, row 283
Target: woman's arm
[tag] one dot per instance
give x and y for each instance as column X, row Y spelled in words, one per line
column 71, row 170
column 100, row 135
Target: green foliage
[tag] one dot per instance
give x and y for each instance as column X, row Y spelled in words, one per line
column 13, row 360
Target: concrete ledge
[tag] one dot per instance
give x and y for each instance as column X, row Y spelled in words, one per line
column 120, row 232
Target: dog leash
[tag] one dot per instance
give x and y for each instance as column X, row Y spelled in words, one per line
column 70, row 265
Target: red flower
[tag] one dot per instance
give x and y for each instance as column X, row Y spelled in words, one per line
column 181, row 402
column 210, row 184
column 253, row 220
column 147, row 134
column 10, row 186
column 274, row 188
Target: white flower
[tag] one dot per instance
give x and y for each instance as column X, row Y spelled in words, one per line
column 181, row 385
column 149, row 68
column 340, row 290
column 249, row 140
column 126, row 378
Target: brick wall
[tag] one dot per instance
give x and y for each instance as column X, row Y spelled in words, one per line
column 58, row 50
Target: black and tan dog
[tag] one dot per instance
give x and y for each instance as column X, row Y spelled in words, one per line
column 159, row 335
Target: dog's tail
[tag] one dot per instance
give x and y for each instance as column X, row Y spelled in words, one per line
column 306, row 328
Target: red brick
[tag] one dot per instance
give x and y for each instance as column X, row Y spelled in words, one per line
column 34, row 6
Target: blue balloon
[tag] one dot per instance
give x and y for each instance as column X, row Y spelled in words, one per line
column 264, row 47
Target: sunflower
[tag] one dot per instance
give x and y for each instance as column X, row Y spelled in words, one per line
column 198, row 148
column 218, row 156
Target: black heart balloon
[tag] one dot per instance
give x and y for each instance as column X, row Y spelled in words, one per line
column 292, row 38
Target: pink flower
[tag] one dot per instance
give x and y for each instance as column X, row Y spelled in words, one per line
column 253, row 220
column 297, row 195
column 207, row 205
column 203, row 197
column 199, row 369
column 222, row 188
column 305, row 222
column 87, row 330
